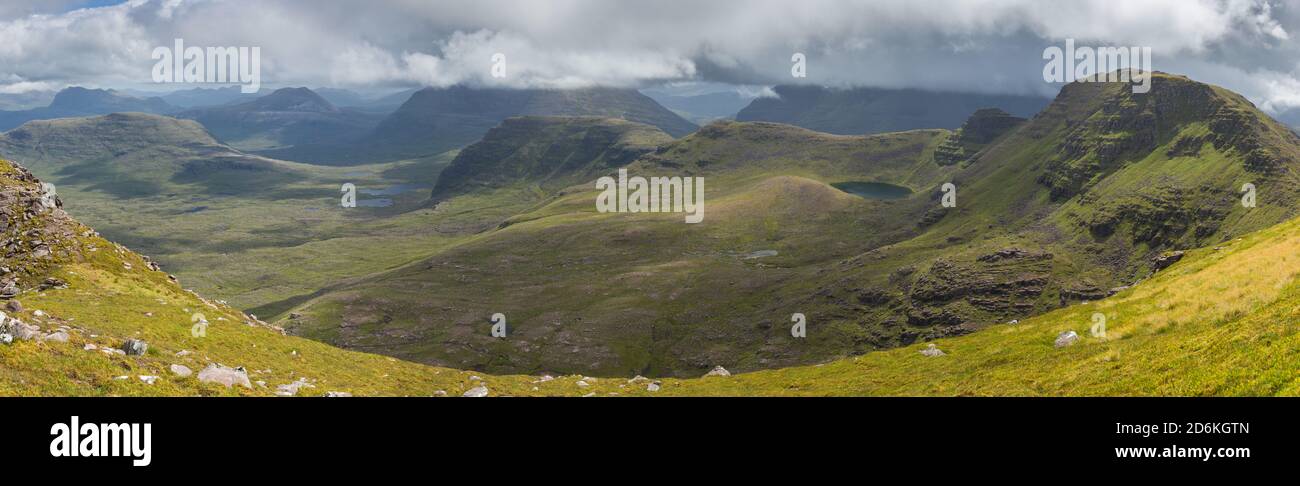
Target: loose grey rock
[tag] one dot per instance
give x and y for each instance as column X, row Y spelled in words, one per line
column 1066, row 338
column 337, row 394
column 718, row 371
column 653, row 387
column 181, row 370
column 1161, row 262
column 58, row 337
column 21, row 331
column 216, row 373
column 6, row 339
column 14, row 306
column 292, row 388
column 932, row 351
column 148, row 379
column 9, row 291
column 476, row 392
column 135, row 347
column 638, row 379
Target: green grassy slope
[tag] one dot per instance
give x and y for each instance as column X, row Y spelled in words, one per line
column 623, row 294
column 546, row 153
column 253, row 231
column 1220, row 322
column 1065, row 208
column 1163, row 337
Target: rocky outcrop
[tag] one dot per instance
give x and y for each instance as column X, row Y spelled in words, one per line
column 979, row 130
column 1163, row 261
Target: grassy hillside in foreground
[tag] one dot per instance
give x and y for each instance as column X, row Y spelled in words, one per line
column 1221, row 322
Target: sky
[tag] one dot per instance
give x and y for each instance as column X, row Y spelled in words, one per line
column 988, row 46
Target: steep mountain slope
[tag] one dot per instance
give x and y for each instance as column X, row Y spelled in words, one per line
column 874, row 110
column 435, row 120
column 78, row 101
column 285, row 118
column 548, row 152
column 1068, row 207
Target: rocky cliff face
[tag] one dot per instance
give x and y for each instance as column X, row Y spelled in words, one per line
column 1128, row 126
column 34, row 231
column 979, row 130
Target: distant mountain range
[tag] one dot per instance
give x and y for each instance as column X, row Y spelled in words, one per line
column 859, row 111
column 285, row 118
column 78, row 101
column 435, row 120
column 197, row 97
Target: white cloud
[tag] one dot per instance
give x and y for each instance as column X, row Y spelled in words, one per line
column 982, row 45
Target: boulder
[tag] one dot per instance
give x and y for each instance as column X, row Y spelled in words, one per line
column 1066, row 338
column 291, row 389
column 1163, row 261
column 932, row 351
column 19, row 330
column 135, row 347
column 337, row 394
column 58, row 337
column 9, row 291
column 718, row 371
column 476, row 392
column 229, row 377
column 181, row 370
